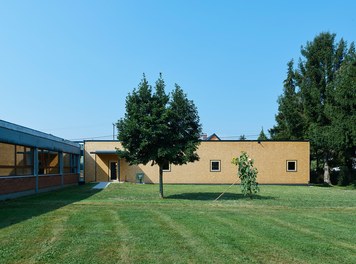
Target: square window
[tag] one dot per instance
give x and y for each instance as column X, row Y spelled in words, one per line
column 166, row 166
column 215, row 165
column 291, row 165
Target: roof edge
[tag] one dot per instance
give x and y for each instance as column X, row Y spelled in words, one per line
column 214, row 141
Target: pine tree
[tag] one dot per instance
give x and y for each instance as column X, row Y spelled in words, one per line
column 309, row 94
column 322, row 59
column 342, row 109
column 242, row 137
column 289, row 118
column 262, row 135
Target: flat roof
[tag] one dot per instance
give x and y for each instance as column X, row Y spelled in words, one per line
column 216, row 141
column 104, row 152
column 20, row 135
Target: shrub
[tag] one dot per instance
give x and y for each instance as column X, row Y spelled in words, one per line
column 247, row 174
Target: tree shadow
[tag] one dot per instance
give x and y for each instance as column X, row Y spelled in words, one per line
column 321, row 185
column 211, row 196
column 20, row 209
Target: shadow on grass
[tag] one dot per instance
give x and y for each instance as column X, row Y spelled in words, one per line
column 210, row 196
column 322, row 185
column 20, row 209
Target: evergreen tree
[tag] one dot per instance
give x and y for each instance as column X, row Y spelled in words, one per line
column 262, row 135
column 342, row 109
column 322, row 59
column 242, row 137
column 310, row 105
column 158, row 128
column 289, row 118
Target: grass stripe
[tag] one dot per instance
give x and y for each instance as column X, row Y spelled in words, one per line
column 127, row 223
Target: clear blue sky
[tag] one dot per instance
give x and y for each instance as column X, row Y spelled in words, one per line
column 66, row 67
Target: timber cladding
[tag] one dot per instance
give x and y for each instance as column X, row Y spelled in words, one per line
column 271, row 158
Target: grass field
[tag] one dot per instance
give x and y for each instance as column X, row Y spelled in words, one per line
column 128, row 223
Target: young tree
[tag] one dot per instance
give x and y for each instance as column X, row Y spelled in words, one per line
column 247, row 174
column 159, row 128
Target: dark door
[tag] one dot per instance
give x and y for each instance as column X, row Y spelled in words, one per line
column 113, row 170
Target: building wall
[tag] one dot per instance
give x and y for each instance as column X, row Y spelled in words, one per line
column 270, row 159
column 17, row 185
column 21, row 154
column 13, row 185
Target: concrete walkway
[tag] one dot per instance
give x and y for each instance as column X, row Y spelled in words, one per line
column 101, row 185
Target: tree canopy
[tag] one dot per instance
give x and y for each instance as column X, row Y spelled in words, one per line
column 318, row 101
column 159, row 128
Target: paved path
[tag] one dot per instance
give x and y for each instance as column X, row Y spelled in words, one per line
column 101, row 185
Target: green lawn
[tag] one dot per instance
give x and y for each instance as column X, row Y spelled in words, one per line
column 128, row 223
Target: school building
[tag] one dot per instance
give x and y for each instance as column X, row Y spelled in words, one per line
column 32, row 161
column 278, row 162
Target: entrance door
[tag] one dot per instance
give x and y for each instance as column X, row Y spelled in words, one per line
column 113, row 170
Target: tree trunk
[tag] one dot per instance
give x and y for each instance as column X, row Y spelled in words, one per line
column 326, row 173
column 161, row 182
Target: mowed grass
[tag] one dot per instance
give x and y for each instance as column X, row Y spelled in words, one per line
column 128, row 223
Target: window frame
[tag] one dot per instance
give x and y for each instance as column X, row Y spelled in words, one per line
column 295, row 165
column 44, row 162
column 211, row 166
column 20, row 163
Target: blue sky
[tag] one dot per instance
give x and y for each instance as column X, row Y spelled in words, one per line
column 66, row 67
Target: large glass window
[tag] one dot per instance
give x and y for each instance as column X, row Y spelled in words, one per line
column 66, row 163
column 15, row 160
column 74, row 163
column 48, row 162
column 70, row 163
column 24, row 160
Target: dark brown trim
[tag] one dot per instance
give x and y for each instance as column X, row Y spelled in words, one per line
column 211, row 161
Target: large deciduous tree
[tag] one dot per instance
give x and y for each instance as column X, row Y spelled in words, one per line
column 159, row 128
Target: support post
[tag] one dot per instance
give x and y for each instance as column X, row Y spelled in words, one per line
column 95, row 169
column 61, row 170
column 78, row 167
column 35, row 167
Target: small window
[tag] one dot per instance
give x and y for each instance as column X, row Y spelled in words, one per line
column 291, row 165
column 215, row 165
column 166, row 166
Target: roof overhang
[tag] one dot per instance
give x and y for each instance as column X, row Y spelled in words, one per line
column 15, row 134
column 104, row 152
